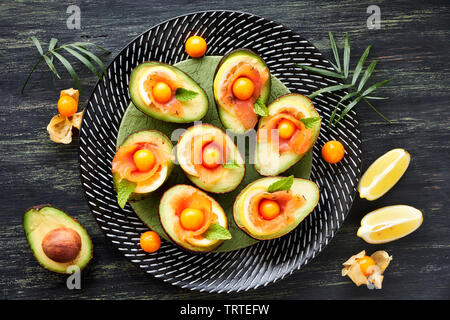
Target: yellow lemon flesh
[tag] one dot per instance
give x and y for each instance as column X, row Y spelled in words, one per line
column 383, row 174
column 389, row 223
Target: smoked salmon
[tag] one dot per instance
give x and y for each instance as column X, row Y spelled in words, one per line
column 173, row 106
column 243, row 109
column 288, row 205
column 124, row 165
column 198, row 144
column 192, row 199
column 299, row 142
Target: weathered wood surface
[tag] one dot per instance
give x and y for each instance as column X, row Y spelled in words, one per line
column 412, row 46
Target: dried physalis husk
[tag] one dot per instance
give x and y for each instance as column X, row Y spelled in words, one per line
column 76, row 119
column 382, row 259
column 353, row 271
column 74, row 93
column 60, row 127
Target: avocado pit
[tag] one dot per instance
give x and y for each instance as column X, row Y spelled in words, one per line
column 62, row 244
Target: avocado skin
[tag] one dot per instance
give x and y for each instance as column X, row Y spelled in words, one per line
column 316, row 136
column 160, row 115
column 139, row 196
column 266, row 88
column 220, row 242
column 80, row 229
column 289, row 228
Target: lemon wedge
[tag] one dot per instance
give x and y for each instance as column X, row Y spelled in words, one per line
column 383, row 174
column 389, row 223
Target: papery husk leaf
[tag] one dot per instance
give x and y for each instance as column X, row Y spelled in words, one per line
column 60, row 129
column 376, row 279
column 355, row 274
column 76, row 119
column 353, row 259
column 382, row 259
column 74, row 93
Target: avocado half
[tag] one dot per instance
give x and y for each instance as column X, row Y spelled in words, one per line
column 168, row 218
column 233, row 176
column 269, row 163
column 301, row 188
column 143, row 190
column 229, row 121
column 194, row 109
column 42, row 225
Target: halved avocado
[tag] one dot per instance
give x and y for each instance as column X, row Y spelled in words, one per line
column 169, row 217
column 270, row 163
column 57, row 240
column 142, row 189
column 306, row 189
column 193, row 109
column 232, row 176
column 229, row 61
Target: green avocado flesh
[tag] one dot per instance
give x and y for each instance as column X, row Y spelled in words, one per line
column 158, row 138
column 300, row 188
column 168, row 218
column 231, row 178
column 39, row 221
column 194, row 109
column 202, row 71
column 228, row 62
column 269, row 163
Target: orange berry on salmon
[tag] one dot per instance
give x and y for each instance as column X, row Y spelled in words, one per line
column 243, row 88
column 269, row 209
column 162, row 92
column 144, row 159
column 192, row 219
column 211, row 156
column 286, row 129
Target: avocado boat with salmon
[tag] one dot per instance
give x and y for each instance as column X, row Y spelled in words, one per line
column 164, row 92
column 266, row 214
column 143, row 162
column 286, row 135
column 192, row 219
column 242, row 78
column 210, row 159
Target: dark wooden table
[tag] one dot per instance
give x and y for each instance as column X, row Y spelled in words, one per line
column 412, row 45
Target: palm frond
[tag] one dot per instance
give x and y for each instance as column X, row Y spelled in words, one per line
column 356, row 90
column 81, row 53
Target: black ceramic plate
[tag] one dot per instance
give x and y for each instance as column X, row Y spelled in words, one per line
column 267, row 261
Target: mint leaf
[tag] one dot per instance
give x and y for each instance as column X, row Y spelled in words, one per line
column 310, row 122
column 281, row 185
column 217, row 232
column 184, row 95
column 260, row 108
column 124, row 189
column 231, row 165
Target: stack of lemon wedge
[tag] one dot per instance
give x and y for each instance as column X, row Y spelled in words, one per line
column 392, row 222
